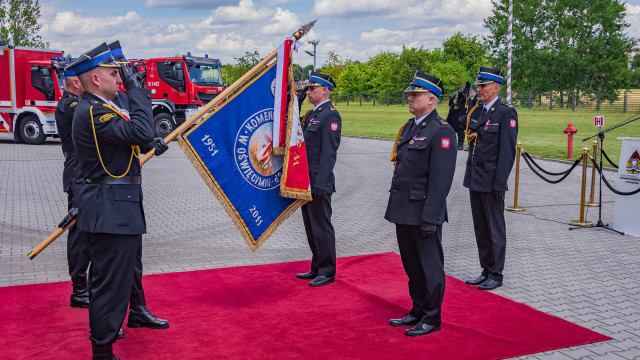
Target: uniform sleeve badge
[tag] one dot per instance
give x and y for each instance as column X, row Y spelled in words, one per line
column 73, row 104
column 107, row 117
column 445, row 142
column 512, row 122
column 334, row 126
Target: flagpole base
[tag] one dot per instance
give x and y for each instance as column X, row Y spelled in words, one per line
column 592, row 205
column 582, row 224
column 508, row 208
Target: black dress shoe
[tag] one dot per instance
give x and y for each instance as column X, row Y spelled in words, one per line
column 422, row 329
column 140, row 316
column 80, row 294
column 307, row 276
column 477, row 281
column 408, row 320
column 322, row 280
column 490, row 284
column 120, row 334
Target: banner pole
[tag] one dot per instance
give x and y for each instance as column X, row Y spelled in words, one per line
column 593, row 177
column 517, row 181
column 581, row 221
column 303, row 30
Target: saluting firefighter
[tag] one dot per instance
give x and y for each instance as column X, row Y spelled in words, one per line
column 424, row 155
column 108, row 141
column 321, row 130
column 492, row 131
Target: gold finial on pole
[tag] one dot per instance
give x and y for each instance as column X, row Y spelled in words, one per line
column 515, row 192
column 593, row 177
column 585, row 159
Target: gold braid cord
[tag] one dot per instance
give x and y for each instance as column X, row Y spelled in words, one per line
column 471, row 137
column 395, row 143
column 95, row 138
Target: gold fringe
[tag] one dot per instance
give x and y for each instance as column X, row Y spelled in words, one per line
column 278, row 150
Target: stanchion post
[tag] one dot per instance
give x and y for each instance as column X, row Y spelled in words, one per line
column 593, row 177
column 585, row 159
column 515, row 192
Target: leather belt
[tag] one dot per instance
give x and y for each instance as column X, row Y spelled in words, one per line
column 108, row 180
column 68, row 154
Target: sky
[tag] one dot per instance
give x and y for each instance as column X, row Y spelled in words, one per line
column 226, row 29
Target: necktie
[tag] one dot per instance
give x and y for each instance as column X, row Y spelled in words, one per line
column 484, row 114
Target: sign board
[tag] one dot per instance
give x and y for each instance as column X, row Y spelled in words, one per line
column 625, row 216
column 598, row 121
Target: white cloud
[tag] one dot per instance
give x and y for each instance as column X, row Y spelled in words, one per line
column 282, row 22
column 342, row 7
column 244, row 12
column 381, row 35
column 189, row 4
column 68, row 22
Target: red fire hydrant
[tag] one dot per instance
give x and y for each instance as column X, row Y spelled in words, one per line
column 570, row 130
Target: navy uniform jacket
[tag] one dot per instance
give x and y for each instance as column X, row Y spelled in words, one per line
column 425, row 163
column 492, row 153
column 322, row 128
column 111, row 208
column 64, row 117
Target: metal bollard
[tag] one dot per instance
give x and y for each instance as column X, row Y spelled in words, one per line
column 593, row 177
column 515, row 192
column 582, row 222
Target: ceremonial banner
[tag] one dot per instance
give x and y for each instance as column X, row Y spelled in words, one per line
column 232, row 151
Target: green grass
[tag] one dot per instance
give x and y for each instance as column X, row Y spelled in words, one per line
column 540, row 131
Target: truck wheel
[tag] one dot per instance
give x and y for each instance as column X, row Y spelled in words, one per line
column 31, row 130
column 163, row 124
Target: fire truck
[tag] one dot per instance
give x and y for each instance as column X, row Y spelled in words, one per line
column 180, row 86
column 31, row 83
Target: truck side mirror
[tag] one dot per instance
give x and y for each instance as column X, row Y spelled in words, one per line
column 47, row 80
column 178, row 72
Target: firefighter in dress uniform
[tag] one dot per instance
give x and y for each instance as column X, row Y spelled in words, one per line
column 321, row 130
column 108, row 141
column 492, row 131
column 424, row 155
column 77, row 243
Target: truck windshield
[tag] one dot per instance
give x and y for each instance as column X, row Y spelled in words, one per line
column 61, row 84
column 205, row 75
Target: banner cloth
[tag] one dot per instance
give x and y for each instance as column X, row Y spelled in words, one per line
column 232, row 150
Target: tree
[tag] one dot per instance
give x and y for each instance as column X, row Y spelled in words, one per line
column 333, row 66
column 635, row 72
column 244, row 64
column 19, row 22
column 467, row 51
column 563, row 44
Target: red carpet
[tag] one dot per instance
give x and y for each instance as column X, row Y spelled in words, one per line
column 263, row 312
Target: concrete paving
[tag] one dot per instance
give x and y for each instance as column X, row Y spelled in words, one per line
column 586, row 276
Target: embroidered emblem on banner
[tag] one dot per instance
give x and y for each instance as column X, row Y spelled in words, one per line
column 334, row 126
column 254, row 150
column 633, row 164
column 512, row 122
column 445, row 143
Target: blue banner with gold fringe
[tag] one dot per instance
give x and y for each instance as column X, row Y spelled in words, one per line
column 232, row 151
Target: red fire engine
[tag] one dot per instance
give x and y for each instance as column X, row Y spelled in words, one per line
column 180, row 86
column 31, row 83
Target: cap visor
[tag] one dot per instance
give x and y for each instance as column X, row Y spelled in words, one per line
column 413, row 88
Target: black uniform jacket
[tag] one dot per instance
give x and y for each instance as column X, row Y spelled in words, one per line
column 102, row 135
column 492, row 152
column 64, row 116
column 322, row 128
column 425, row 164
